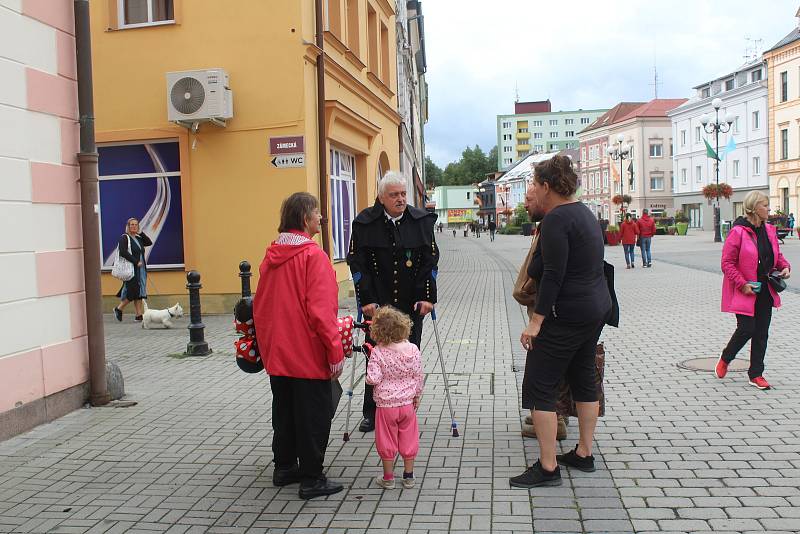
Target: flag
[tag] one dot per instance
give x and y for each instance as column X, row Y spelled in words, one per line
column 710, row 151
column 730, row 147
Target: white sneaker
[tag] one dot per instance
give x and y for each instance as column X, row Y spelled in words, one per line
column 385, row 484
column 408, row 483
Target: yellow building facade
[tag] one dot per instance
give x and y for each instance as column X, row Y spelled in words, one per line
column 225, row 181
column 783, row 97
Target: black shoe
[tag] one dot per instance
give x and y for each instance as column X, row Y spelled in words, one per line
column 571, row 459
column 137, row 318
column 319, row 488
column 118, row 314
column 535, row 476
column 649, row 264
column 367, row 425
column 284, row 477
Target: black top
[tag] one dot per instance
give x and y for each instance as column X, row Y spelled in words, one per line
column 136, row 252
column 394, row 263
column 568, row 263
column 766, row 256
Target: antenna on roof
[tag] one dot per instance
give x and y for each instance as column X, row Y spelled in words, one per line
column 655, row 83
column 753, row 50
column 516, row 92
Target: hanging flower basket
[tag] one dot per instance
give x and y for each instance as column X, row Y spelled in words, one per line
column 723, row 190
column 617, row 199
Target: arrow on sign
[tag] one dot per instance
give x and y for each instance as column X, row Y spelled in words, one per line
column 289, row 160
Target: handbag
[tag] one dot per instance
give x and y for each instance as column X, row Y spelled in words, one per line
column 777, row 283
column 122, row 269
column 525, row 287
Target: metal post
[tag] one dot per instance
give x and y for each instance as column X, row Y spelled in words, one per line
column 245, row 274
column 717, row 232
column 197, row 344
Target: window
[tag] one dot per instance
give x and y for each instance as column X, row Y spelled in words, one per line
column 568, row 121
column 385, row 69
column 756, row 166
column 784, row 86
column 372, row 36
column 605, row 179
column 553, row 135
column 134, row 13
column 705, row 93
column 467, row 195
column 784, row 144
column 522, row 130
column 142, row 178
column 736, row 125
column 353, row 42
column 506, row 137
column 655, row 151
column 756, row 123
column 697, row 138
column 656, row 182
column 522, row 154
column 729, row 84
column 553, row 146
column 671, row 148
column 522, row 141
column 537, row 123
column 343, row 200
column 507, row 161
column 538, row 135
column 738, row 209
column 755, row 76
column 334, row 21
column 553, row 122
column 698, row 173
column 569, row 133
column 583, row 154
column 683, row 137
column 506, row 124
column 736, row 168
column 584, row 120
column 683, row 176
column 507, row 149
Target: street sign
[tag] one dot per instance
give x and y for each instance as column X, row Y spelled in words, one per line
column 289, row 160
column 291, row 144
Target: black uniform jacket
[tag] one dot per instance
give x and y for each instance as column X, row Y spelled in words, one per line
column 394, row 264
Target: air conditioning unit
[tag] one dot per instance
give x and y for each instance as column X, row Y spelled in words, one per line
column 195, row 96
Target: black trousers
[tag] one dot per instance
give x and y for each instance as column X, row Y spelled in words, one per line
column 561, row 351
column 301, row 423
column 368, row 409
column 754, row 329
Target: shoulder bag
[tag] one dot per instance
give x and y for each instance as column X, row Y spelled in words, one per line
column 122, row 269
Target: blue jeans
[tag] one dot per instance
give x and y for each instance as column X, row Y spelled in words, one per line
column 644, row 242
column 629, row 254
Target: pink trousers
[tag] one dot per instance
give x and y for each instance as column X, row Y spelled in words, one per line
column 396, row 431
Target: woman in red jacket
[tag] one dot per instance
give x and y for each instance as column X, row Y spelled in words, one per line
column 628, row 231
column 294, row 312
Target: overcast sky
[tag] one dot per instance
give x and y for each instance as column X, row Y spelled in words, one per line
column 579, row 54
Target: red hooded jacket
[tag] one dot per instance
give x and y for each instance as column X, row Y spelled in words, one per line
column 628, row 231
column 295, row 309
column 647, row 226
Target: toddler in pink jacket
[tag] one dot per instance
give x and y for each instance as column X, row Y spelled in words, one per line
column 395, row 369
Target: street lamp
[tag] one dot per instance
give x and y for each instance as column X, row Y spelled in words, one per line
column 619, row 152
column 716, row 127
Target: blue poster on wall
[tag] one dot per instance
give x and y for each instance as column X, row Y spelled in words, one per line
column 142, row 181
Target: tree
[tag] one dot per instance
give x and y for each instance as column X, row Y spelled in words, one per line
column 433, row 174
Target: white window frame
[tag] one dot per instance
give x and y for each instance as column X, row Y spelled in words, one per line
column 736, row 168
column 683, row 176
column 605, row 179
column 756, row 120
column 121, row 14
column 756, row 165
column 584, row 120
column 537, row 123
column 537, row 135
column 698, row 173
column 698, row 136
column 656, row 177
column 683, row 137
column 553, row 122
column 340, row 244
column 656, row 147
column 569, row 133
column 553, row 135
column 568, row 121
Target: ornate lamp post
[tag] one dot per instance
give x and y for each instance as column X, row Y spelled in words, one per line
column 716, row 127
column 619, row 152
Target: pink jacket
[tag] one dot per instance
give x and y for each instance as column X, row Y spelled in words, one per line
column 396, row 372
column 740, row 265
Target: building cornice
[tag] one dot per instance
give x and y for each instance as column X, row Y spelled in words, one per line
column 760, row 87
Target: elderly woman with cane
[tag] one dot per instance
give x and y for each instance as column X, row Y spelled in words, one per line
column 294, row 312
column 573, row 302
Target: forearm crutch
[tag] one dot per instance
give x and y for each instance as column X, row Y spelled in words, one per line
column 444, row 375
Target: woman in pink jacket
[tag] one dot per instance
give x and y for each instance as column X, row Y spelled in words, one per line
column 749, row 256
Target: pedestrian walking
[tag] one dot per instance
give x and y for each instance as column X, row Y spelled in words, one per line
column 753, row 268
column 395, row 372
column 572, row 304
column 294, row 314
column 492, row 229
column 647, row 229
column 131, row 246
column 628, row 231
column 393, row 257
column 790, row 224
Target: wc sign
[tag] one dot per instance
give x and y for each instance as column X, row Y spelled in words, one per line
column 287, row 151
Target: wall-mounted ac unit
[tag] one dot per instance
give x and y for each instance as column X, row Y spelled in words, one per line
column 196, row 96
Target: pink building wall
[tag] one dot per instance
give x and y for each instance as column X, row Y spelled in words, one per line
column 43, row 346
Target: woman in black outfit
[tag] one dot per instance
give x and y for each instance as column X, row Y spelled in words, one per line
column 573, row 302
column 131, row 247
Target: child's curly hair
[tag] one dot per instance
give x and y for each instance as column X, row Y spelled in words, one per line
column 389, row 325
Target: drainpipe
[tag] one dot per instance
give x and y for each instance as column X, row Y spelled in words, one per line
column 322, row 134
column 87, row 160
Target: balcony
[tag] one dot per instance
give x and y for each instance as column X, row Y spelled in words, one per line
column 523, row 147
column 523, row 135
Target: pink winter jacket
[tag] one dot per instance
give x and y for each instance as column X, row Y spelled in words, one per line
column 396, row 372
column 740, row 265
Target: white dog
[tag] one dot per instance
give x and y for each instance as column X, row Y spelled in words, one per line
column 162, row 317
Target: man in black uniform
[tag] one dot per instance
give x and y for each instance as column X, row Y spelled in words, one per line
column 393, row 257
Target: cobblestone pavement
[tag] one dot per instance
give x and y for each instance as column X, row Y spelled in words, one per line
column 678, row 450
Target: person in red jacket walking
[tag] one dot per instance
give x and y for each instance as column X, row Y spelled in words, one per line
column 628, row 232
column 294, row 312
column 647, row 229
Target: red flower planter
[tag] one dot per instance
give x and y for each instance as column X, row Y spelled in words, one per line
column 613, row 238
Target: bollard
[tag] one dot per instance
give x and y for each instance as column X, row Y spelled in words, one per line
column 245, row 274
column 197, row 344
